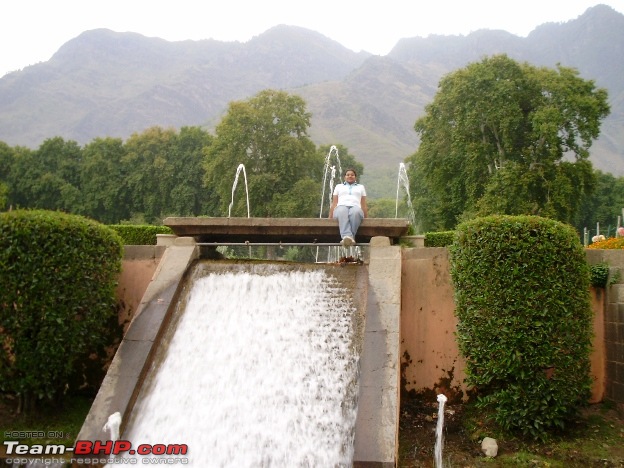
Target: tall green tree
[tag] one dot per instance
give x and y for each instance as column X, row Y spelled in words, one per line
column 156, row 173
column 503, row 137
column 268, row 135
column 4, row 195
column 385, row 208
column 102, row 178
column 49, row 177
column 188, row 195
column 149, row 172
column 603, row 206
column 6, row 161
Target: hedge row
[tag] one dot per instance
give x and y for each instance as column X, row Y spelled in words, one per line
column 139, row 234
column 58, row 275
column 439, row 239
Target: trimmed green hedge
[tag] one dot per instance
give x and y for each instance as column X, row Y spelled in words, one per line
column 139, row 234
column 525, row 319
column 58, row 276
column 439, row 239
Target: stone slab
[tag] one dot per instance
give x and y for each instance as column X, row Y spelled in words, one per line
column 291, row 230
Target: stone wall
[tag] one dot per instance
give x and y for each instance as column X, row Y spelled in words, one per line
column 613, row 323
column 137, row 269
column 430, row 360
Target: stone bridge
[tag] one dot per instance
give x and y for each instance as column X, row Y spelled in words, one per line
column 282, row 230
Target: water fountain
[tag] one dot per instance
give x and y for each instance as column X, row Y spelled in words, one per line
column 241, row 167
column 259, row 368
column 333, row 253
column 112, row 426
column 439, row 435
column 404, row 180
column 238, row 170
column 327, row 168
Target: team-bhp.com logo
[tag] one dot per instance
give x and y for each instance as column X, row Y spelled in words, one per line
column 97, row 448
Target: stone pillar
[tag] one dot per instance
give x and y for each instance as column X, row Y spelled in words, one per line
column 377, row 425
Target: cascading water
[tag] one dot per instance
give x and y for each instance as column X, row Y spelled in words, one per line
column 404, row 180
column 260, row 369
column 238, row 170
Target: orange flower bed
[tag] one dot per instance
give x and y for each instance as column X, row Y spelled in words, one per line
column 610, row 243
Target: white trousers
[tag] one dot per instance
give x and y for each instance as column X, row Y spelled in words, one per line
column 349, row 219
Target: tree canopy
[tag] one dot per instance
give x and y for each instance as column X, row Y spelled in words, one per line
column 603, row 206
column 187, row 172
column 153, row 174
column 268, row 135
column 501, row 137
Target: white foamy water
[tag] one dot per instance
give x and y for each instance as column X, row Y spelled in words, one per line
column 260, row 372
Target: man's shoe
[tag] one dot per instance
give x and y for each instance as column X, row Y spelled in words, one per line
column 348, row 241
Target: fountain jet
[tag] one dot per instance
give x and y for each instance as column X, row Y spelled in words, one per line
column 238, row 170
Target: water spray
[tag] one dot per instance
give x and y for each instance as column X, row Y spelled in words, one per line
column 238, row 170
column 403, row 179
column 439, row 437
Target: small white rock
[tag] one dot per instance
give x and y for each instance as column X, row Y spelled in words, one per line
column 489, row 447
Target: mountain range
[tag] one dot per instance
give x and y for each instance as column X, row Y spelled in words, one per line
column 105, row 83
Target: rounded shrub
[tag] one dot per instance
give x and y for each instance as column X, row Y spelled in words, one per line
column 525, row 320
column 58, row 274
column 599, row 275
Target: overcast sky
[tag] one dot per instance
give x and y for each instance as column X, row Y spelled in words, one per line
column 31, row 31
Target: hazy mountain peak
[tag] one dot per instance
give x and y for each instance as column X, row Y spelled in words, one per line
column 596, row 16
column 106, row 83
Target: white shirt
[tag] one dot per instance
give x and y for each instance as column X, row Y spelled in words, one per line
column 350, row 194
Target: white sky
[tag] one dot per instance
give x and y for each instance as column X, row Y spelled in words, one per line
column 31, row 31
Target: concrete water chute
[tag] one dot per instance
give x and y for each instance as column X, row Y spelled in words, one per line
column 373, row 291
